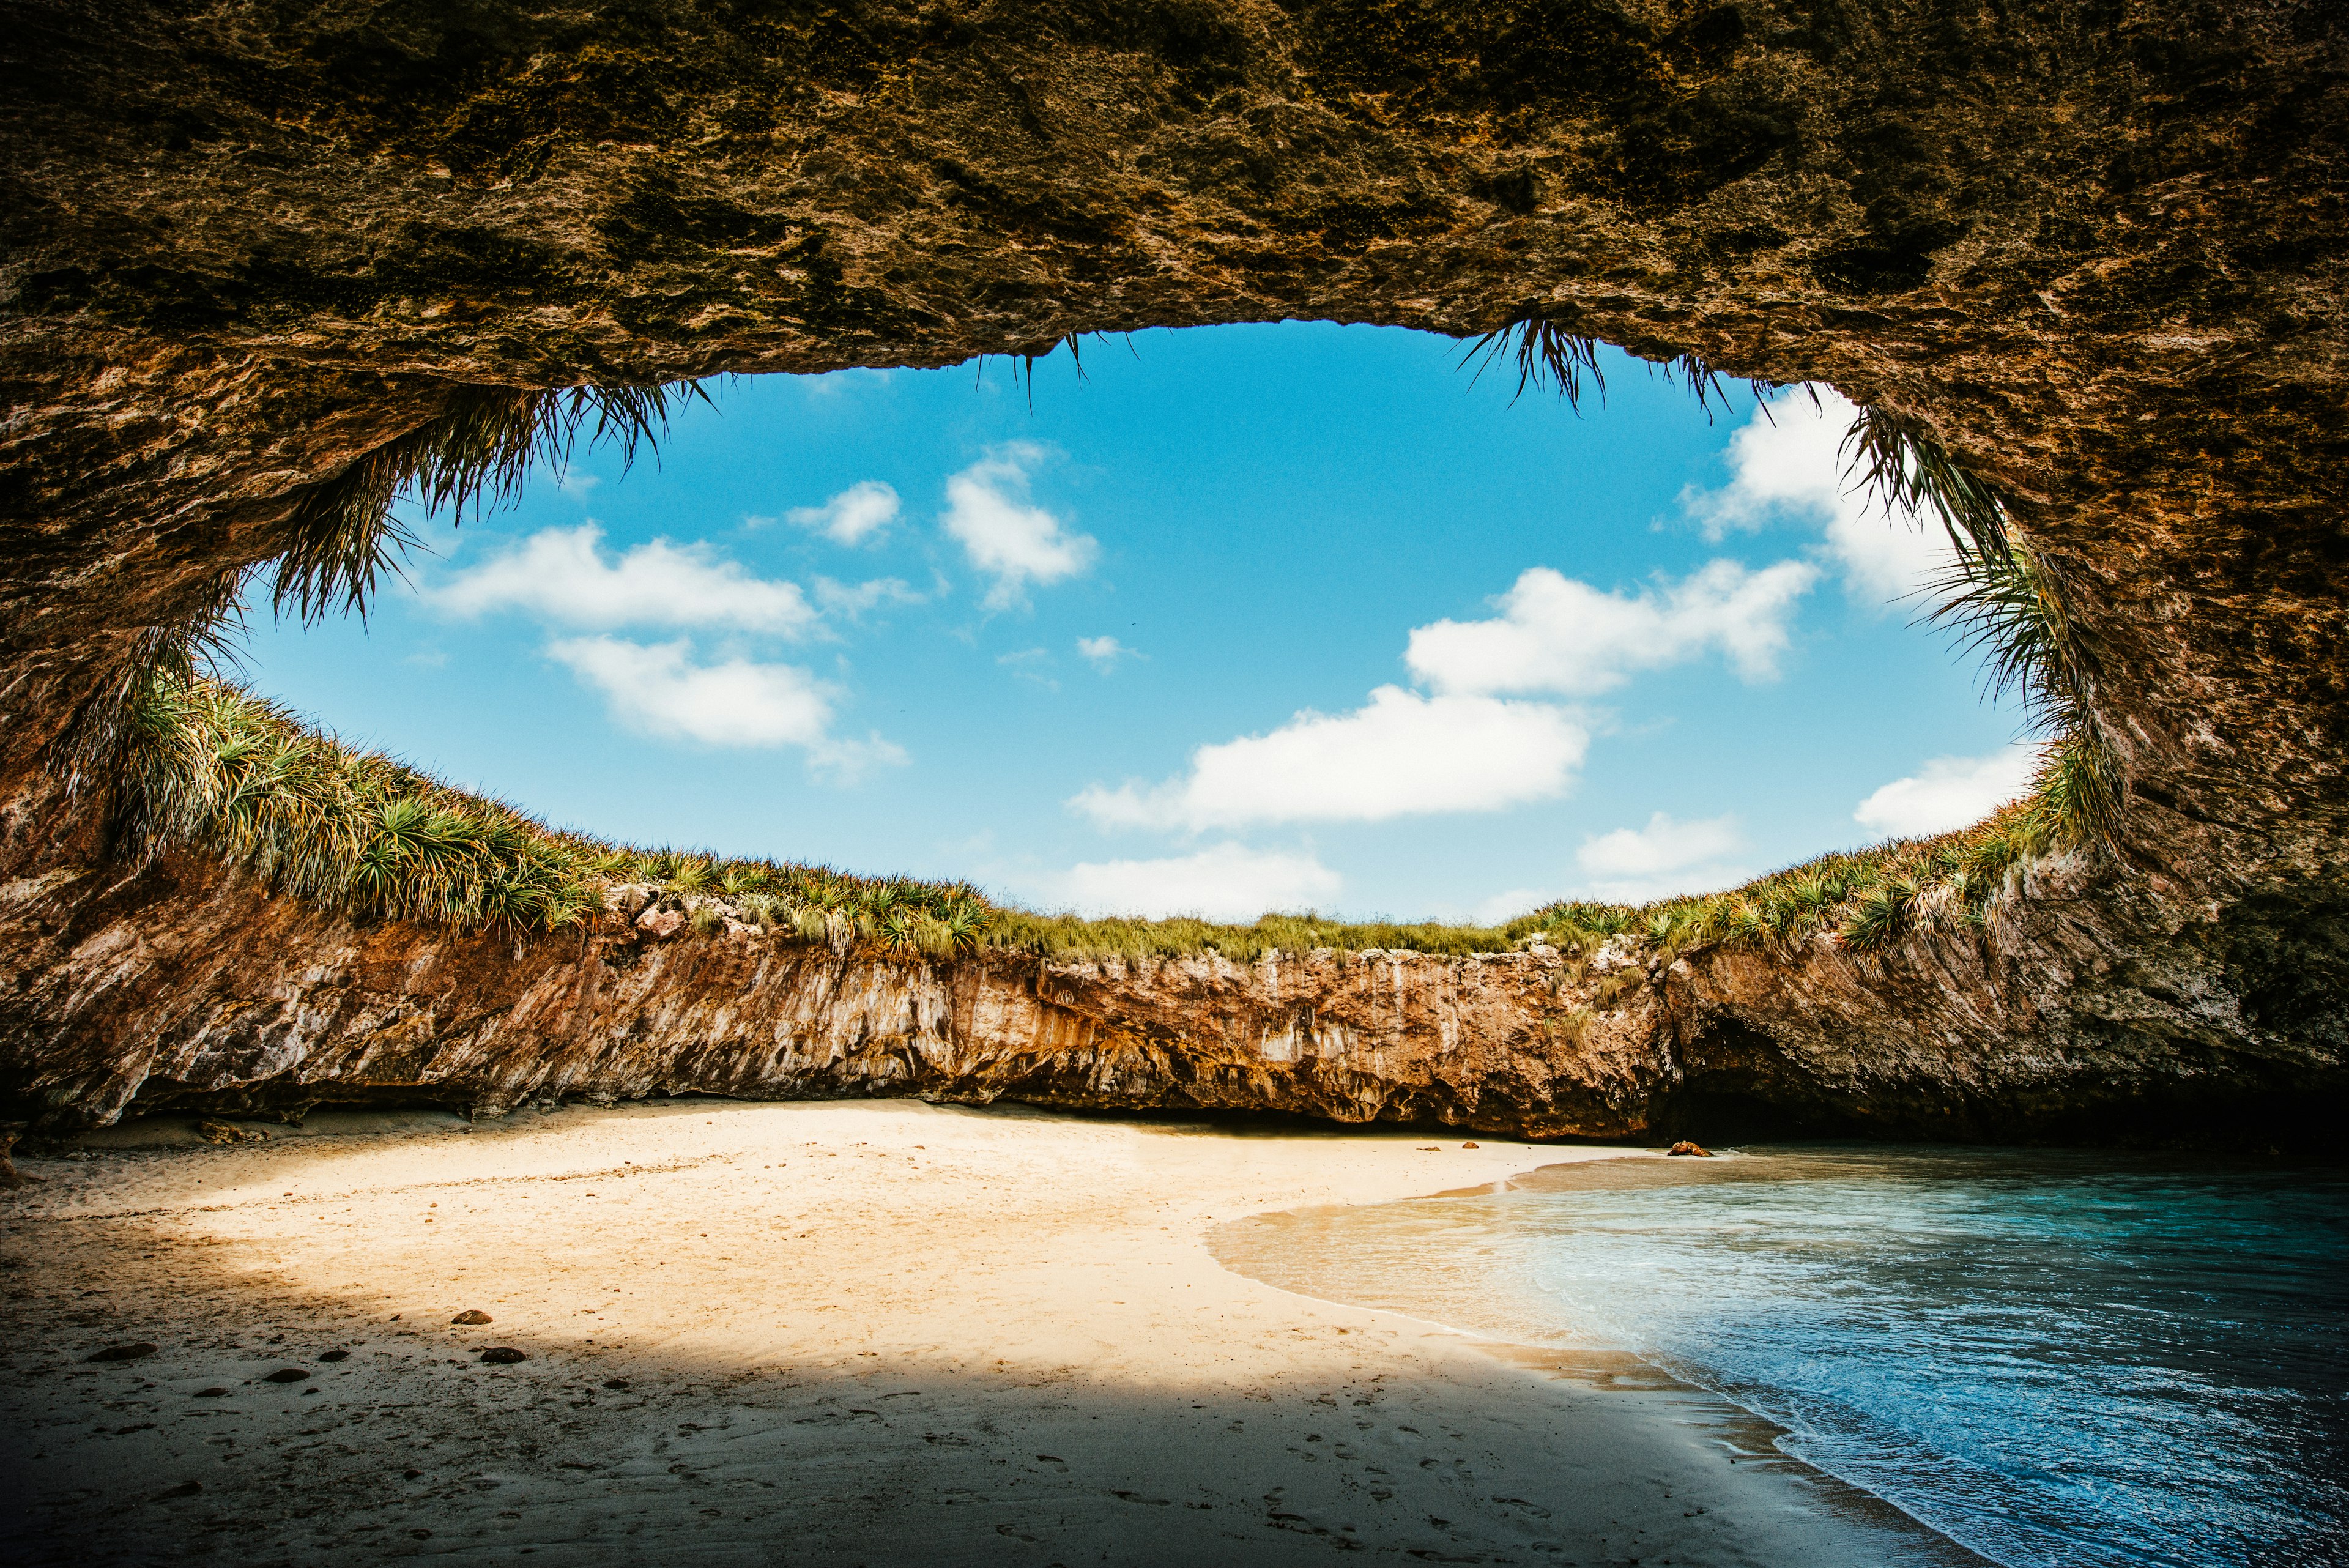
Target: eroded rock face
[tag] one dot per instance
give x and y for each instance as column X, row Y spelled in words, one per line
column 182, row 987
column 191, row 990
column 2096, row 248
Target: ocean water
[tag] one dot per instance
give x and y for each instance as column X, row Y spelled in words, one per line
column 2056, row 1359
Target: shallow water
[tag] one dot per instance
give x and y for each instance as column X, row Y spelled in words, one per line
column 2053, row 1358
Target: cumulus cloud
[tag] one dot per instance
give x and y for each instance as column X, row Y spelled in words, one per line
column 660, row 690
column 1633, row 865
column 1789, row 465
column 1462, row 745
column 1103, row 653
column 1555, row 634
column 567, row 575
column 857, row 514
column 1227, row 882
column 1949, row 793
column 1664, row 845
column 1403, row 754
column 1006, row 537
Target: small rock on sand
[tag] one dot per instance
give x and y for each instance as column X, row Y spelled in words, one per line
column 334, row 1355
column 474, row 1315
column 616, row 1383
column 185, row 1489
column 1468, row 1145
column 288, row 1374
column 503, row 1355
column 123, row 1353
column 211, row 1393
column 1684, row 1147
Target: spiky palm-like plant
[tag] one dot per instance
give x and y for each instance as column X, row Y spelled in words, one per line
column 1544, row 351
column 213, row 767
column 474, row 455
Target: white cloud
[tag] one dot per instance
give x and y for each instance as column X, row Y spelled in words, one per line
column 1005, row 536
column 1502, row 907
column 1949, row 793
column 565, row 574
column 1555, row 634
column 856, row 515
column 838, row 383
column 1228, row 882
column 1030, row 664
column 852, row 600
column 1636, row 865
column 1662, row 846
column 1789, row 463
column 660, row 690
column 1401, row 755
column 1103, row 653
column 1668, row 856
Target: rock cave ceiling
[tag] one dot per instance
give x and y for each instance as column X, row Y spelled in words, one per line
column 2095, row 248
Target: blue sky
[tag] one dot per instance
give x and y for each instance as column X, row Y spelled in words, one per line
column 1289, row 616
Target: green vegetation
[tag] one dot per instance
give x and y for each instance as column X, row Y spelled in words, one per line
column 1074, row 937
column 1549, row 353
column 218, row 769
column 203, row 764
column 215, row 768
column 475, row 455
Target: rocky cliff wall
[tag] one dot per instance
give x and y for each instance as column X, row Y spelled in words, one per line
column 182, row 987
column 2096, row 246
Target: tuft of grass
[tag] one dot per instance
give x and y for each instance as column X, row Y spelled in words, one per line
column 475, row 455
column 1546, row 351
column 1910, row 470
column 212, row 766
column 1073, row 936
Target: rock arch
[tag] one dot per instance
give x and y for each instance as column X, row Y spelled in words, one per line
column 2095, row 246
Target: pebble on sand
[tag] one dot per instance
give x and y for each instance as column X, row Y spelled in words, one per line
column 211, row 1393
column 288, row 1374
column 123, row 1353
column 1684, row 1147
column 474, row 1314
column 503, row 1355
column 334, row 1355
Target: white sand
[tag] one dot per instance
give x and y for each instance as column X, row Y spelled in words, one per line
column 870, row 1332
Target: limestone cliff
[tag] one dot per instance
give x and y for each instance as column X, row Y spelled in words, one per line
column 2096, row 246
column 180, row 987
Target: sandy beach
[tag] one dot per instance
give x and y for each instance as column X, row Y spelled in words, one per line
column 870, row 1332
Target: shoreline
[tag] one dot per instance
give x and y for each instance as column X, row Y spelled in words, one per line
column 874, row 1330
column 1606, row 1369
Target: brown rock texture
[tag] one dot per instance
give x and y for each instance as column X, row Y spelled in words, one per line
column 2096, row 247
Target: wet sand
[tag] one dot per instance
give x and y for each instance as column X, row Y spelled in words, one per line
column 875, row 1333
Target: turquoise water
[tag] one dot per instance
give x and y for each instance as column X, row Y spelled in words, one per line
column 2055, row 1359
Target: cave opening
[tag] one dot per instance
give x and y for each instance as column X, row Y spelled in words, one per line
column 1219, row 621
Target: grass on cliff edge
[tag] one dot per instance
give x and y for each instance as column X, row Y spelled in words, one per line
column 210, row 766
